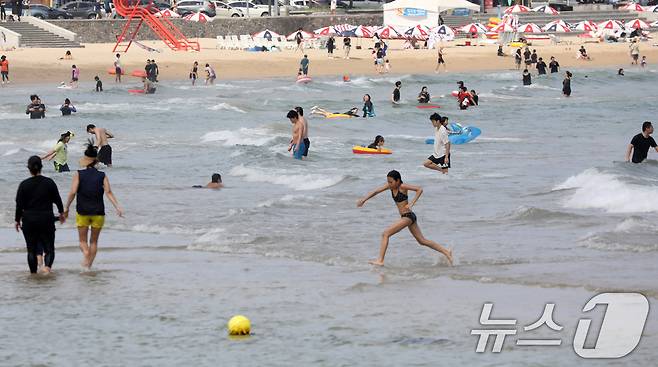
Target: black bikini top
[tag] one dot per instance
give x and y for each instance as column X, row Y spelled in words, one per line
column 400, row 197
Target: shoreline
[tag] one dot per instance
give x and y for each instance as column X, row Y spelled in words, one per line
column 30, row 66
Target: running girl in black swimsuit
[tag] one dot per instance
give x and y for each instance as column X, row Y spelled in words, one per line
column 399, row 192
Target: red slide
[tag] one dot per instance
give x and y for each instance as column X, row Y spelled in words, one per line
column 137, row 14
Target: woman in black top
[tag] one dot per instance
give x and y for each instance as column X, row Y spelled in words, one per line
column 527, row 78
column 566, row 84
column 34, row 215
column 378, row 143
column 400, row 192
column 330, row 46
column 89, row 185
column 423, row 96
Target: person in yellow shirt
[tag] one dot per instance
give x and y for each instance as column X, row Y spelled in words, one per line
column 58, row 154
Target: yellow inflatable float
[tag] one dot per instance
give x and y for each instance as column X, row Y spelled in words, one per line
column 339, row 116
column 358, row 149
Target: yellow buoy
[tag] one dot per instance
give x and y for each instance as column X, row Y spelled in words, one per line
column 239, row 325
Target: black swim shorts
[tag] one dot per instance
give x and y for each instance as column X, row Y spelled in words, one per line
column 105, row 155
column 440, row 161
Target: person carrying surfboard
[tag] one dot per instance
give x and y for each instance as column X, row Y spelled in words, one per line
column 440, row 160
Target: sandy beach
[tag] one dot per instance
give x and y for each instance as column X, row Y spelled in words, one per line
column 39, row 65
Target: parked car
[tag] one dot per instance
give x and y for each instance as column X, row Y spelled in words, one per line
column 44, row 12
column 224, row 10
column 81, row 9
column 206, row 7
column 253, row 11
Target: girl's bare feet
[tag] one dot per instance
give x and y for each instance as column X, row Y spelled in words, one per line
column 376, row 262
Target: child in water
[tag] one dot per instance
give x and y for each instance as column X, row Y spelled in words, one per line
column 378, row 143
column 368, row 108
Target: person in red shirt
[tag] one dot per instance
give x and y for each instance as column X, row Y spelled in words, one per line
column 4, row 69
column 464, row 98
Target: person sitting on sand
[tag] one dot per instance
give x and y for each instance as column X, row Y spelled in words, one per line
column 67, row 56
column 378, row 143
column 315, row 110
column 500, row 51
column 215, row 182
column 582, row 54
column 423, row 96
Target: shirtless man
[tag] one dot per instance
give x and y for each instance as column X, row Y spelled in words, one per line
column 307, row 142
column 297, row 141
column 100, row 141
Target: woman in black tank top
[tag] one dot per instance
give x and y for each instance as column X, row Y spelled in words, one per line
column 399, row 192
column 89, row 185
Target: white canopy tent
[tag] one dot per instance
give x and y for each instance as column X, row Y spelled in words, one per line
column 408, row 13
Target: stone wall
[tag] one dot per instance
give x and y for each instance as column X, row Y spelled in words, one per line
column 97, row 31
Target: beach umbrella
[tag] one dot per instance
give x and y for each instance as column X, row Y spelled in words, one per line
column 443, row 32
column 363, row 31
column 325, row 31
column 342, row 28
column 388, row 32
column 266, row 34
column 305, row 35
column 529, row 28
column 517, row 9
column 612, row 25
column 503, row 27
column 559, row 22
column 167, row 13
column 473, row 28
column 654, row 24
column 198, row 17
column 633, row 7
column 637, row 24
column 418, row 32
column 585, row 26
column 652, row 9
column 556, row 27
column 546, row 10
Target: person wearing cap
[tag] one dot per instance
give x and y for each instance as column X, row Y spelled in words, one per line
column 89, row 185
column 34, row 216
column 58, row 153
column 440, row 160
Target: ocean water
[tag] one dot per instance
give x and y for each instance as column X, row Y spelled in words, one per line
column 540, row 208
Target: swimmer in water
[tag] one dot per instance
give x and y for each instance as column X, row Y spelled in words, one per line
column 149, row 87
column 399, row 191
column 424, row 96
column 368, row 108
column 378, row 143
column 620, row 72
column 215, row 182
column 440, row 160
column 315, row 110
column 395, row 98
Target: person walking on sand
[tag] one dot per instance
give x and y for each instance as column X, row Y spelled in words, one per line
column 303, row 64
column 440, row 160
column 299, row 38
column 34, row 216
column 4, row 69
column 640, row 144
column 307, row 141
column 408, row 219
column 635, row 51
column 59, row 153
column 297, row 141
column 440, row 61
column 89, row 185
column 517, row 59
column 347, row 46
column 101, row 135
column 117, row 68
